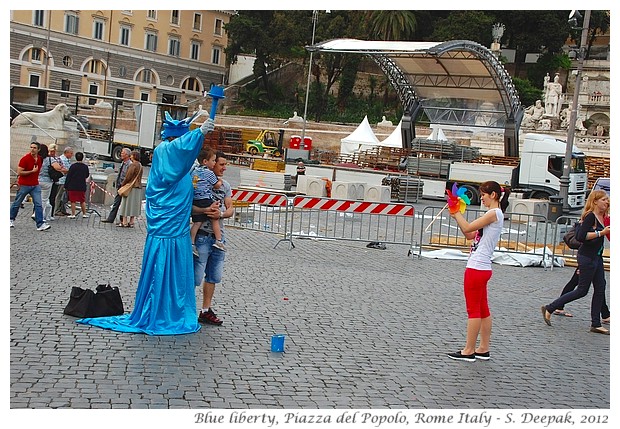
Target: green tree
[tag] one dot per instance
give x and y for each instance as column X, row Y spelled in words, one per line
column 347, row 81
column 270, row 35
column 533, row 31
column 528, row 93
column 253, row 97
column 465, row 25
column 391, row 24
column 331, row 26
column 547, row 63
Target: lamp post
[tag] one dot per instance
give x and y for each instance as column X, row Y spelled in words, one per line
column 565, row 179
column 303, row 131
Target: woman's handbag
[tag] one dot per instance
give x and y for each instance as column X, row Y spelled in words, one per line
column 54, row 174
column 124, row 190
column 86, row 303
column 570, row 237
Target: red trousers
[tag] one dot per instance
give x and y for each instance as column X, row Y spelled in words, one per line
column 475, row 290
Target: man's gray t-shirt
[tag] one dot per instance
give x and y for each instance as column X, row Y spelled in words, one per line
column 218, row 195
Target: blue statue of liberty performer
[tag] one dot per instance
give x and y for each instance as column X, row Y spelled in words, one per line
column 165, row 301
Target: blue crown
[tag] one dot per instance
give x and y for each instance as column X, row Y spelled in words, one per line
column 175, row 128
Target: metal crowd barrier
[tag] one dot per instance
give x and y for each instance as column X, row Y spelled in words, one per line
column 560, row 226
column 392, row 223
column 522, row 233
column 328, row 218
column 260, row 211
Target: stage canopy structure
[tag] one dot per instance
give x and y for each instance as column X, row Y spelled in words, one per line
column 455, row 83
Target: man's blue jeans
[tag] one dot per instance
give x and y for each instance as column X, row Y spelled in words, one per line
column 35, row 193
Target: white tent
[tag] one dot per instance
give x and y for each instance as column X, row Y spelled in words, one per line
column 395, row 139
column 362, row 138
column 437, row 134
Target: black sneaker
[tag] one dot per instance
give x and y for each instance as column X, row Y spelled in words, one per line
column 208, row 317
column 483, row 356
column 459, row 356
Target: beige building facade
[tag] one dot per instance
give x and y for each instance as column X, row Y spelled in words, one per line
column 161, row 56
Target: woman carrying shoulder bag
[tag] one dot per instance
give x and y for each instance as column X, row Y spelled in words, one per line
column 591, row 233
column 131, row 191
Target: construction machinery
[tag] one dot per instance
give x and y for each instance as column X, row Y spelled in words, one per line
column 267, row 142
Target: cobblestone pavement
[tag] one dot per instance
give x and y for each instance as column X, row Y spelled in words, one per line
column 365, row 328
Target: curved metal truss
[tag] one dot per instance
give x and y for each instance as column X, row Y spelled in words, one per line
column 444, row 112
column 459, row 83
column 499, row 77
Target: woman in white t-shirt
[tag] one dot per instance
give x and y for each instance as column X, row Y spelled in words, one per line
column 484, row 233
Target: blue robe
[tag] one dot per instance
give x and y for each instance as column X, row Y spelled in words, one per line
column 165, row 299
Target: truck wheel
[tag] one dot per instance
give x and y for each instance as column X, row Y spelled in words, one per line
column 472, row 193
column 116, row 153
column 253, row 150
column 540, row 195
column 145, row 158
column 277, row 153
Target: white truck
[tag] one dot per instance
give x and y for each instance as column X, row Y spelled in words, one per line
column 537, row 175
column 143, row 139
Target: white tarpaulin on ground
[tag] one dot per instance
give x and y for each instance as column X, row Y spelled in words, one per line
column 362, row 138
column 395, row 139
column 534, row 258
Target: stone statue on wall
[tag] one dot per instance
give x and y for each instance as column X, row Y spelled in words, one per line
column 384, row 123
column 532, row 115
column 553, row 95
column 565, row 116
column 579, row 124
column 53, row 119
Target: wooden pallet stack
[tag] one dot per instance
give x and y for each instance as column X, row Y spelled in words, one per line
column 497, row 160
column 225, row 140
column 379, row 158
column 95, row 134
column 596, row 167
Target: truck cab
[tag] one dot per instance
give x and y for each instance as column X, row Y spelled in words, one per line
column 542, row 164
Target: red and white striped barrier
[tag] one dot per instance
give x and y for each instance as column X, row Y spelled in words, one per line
column 259, row 198
column 352, row 206
column 93, row 185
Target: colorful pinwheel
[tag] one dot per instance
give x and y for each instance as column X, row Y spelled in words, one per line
column 457, row 199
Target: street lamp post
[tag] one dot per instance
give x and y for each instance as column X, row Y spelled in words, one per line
column 570, row 137
column 303, row 131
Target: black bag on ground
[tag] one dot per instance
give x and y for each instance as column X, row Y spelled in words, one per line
column 570, row 237
column 107, row 302
column 80, row 302
column 86, row 303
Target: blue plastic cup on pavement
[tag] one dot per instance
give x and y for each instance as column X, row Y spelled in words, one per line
column 277, row 343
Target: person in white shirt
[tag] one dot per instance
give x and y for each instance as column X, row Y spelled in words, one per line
column 485, row 232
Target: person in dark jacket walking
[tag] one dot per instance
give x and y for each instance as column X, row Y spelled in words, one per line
column 591, row 233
